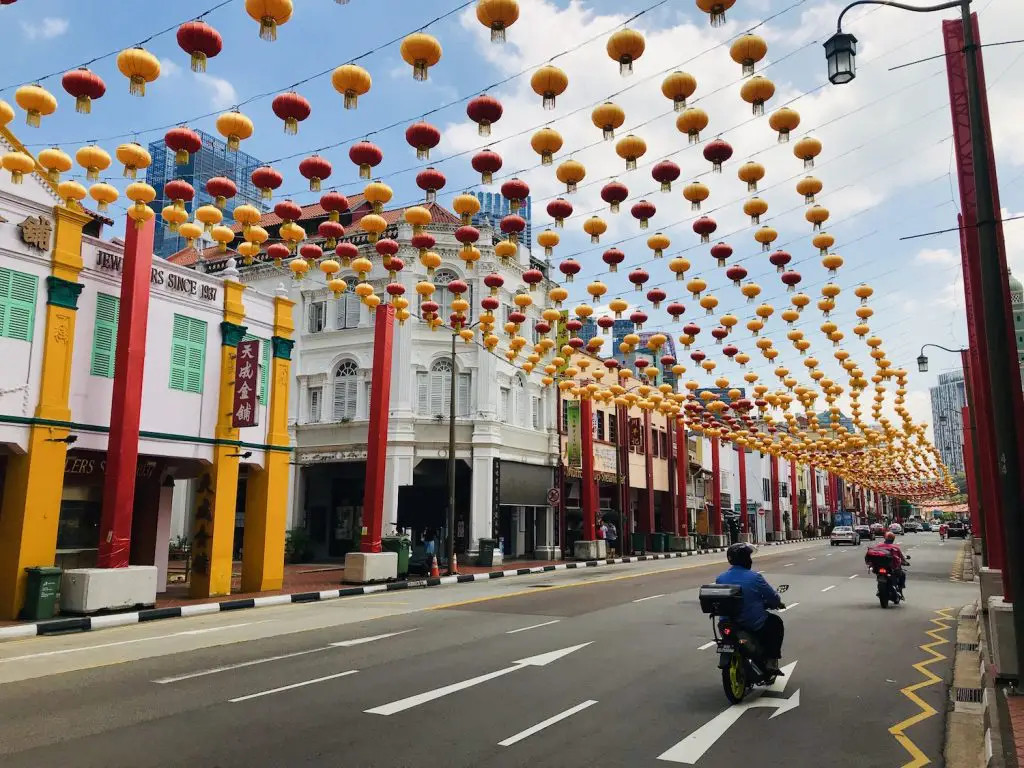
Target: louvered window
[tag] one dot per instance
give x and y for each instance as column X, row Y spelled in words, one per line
column 17, row 304
column 346, row 390
column 104, row 335
column 188, row 354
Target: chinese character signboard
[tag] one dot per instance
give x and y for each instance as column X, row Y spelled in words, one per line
column 636, row 435
column 245, row 411
column 574, row 443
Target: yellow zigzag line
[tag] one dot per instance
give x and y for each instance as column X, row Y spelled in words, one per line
column 898, row 730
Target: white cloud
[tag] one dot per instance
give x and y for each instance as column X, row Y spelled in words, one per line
column 222, row 93
column 169, row 68
column 46, row 29
column 941, row 256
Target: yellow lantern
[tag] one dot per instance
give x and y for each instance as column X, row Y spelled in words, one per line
column 696, row 192
column 192, row 232
column 351, row 81
column 505, row 249
column 497, row 15
column 37, row 103
column 608, row 117
column 222, row 236
column 549, row 82
column 864, row 292
column 140, row 67
column 257, row 235
column 467, row 206
column 363, row 266
column 373, row 225
column 173, row 215
column 571, row 173
column 783, row 121
column 692, row 121
column 292, row 234
column 134, row 157
column 247, row 216
column 747, row 50
column 625, row 46
column 421, row 51
column 71, row 192
column 299, row 268
column 756, row 91
column 337, row 286
column 378, row 194
column 755, row 208
column 235, row 127
column 807, row 149
column 140, row 193
column 140, row 215
column 94, row 160
column 56, row 162
column 595, row 226
column 808, row 187
column 546, row 142
column 817, row 215
column 678, row 86
column 6, row 113
column 248, row 250
column 696, row 286
column 431, row 261
column 270, row 14
column 832, row 262
column 823, row 241
column 209, row 215
column 630, row 148
column 766, row 236
column 679, row 265
column 548, row 239
column 597, row 289
column 658, row 243
column 18, row 164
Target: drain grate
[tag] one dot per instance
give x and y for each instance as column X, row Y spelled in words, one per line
column 969, row 615
column 540, row 586
column 967, row 646
column 967, row 695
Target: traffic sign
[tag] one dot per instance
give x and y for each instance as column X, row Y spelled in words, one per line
column 554, row 496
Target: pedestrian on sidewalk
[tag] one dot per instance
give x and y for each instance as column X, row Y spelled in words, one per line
column 429, row 541
column 611, row 535
column 601, row 531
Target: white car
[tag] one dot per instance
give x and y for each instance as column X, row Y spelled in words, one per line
column 844, row 534
column 896, row 528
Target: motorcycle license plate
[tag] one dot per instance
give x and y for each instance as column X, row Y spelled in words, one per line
column 725, row 649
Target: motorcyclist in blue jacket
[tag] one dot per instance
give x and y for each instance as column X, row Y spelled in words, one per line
column 758, row 597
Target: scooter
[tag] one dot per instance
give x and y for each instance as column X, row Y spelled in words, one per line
column 886, row 577
column 739, row 656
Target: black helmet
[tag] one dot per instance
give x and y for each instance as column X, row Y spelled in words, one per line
column 741, row 554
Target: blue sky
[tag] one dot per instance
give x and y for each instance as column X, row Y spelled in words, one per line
column 886, row 163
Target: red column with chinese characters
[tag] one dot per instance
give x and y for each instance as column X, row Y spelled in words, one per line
column 377, row 436
column 716, row 485
column 794, row 506
column 126, row 398
column 682, row 479
column 972, row 481
column 669, row 521
column 588, row 488
column 744, row 517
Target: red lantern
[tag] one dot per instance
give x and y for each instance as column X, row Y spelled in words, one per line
column 517, row 317
column 638, row 277
column 691, row 329
column 467, row 235
column 430, row 180
column 638, row 318
column 366, row 155
column 570, row 268
column 613, row 257
column 331, row 232
column 266, row 180
column 311, row 252
column 791, row 280
column 515, row 191
column 221, row 189
column 179, row 191
column 697, row 356
column 287, row 210
column 675, row 309
column 656, row 296
column 183, row 142
column 490, row 303
column 423, row 137
column 717, row 152
column 486, row 163
column 736, row 273
column 719, row 333
column 667, row 360
column 704, row 226
column 429, row 309
column 533, row 277
column 559, row 209
column 513, row 225
column 494, row 281
column 200, row 41
column 643, row 212
column 278, row 252
column 605, row 323
column 346, row 252
column 394, row 266
column 423, row 241
column 387, row 248
column 730, row 351
column 541, row 326
column 292, row 108
column 721, row 252
column 334, row 203
column 614, row 193
column 316, row 169
column 484, row 111
column 85, row 85
column 395, row 289
column 780, row 259
column 665, row 172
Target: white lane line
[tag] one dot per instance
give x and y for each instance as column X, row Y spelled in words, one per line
column 293, row 685
column 128, row 642
column 826, row 589
column 544, row 724
column 811, row 558
column 854, row 576
column 652, row 597
column 373, row 638
column 706, row 646
column 534, row 626
column 787, row 565
column 829, row 554
column 789, row 607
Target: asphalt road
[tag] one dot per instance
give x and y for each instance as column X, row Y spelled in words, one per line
column 603, row 668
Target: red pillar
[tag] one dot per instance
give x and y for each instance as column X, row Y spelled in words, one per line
column 669, row 522
column 647, row 518
column 776, row 506
column 622, row 446
column 972, row 481
column 126, row 399
column 742, row 469
column 377, row 436
column 794, row 511
column 814, row 497
column 588, row 490
column 682, row 476
column 716, row 485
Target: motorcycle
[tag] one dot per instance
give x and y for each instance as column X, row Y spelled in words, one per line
column 739, row 656
column 882, row 565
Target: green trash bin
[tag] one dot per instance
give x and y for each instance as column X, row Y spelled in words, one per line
column 657, row 542
column 403, row 547
column 42, row 591
column 639, row 542
column 486, row 556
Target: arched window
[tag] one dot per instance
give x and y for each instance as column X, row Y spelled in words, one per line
column 444, row 297
column 346, row 390
column 518, row 402
column 435, row 390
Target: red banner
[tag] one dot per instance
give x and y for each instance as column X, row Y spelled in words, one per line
column 245, row 410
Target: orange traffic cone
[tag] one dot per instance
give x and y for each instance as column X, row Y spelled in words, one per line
column 454, row 570
column 434, row 572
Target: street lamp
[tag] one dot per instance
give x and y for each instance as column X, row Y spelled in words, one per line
column 450, row 518
column 922, row 360
column 841, row 52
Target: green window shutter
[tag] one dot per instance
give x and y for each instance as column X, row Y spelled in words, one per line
column 104, row 335
column 264, row 364
column 196, row 356
column 18, row 298
column 179, row 352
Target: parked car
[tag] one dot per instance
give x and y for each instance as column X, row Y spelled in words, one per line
column 844, row 534
column 878, row 529
column 956, row 530
column 912, row 526
column 926, row 526
column 896, row 528
column 864, row 532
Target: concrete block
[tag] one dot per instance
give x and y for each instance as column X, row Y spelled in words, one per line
column 547, row 553
column 590, row 550
column 991, row 586
column 716, row 542
column 367, row 567
column 1002, row 638
column 776, row 536
column 976, row 543
column 88, row 590
column 794, row 535
column 681, row 543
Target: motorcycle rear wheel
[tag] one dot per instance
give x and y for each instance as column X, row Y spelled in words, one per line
column 734, row 679
column 883, row 600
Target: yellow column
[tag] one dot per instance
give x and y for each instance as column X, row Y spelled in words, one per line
column 30, row 509
column 266, row 496
column 213, row 533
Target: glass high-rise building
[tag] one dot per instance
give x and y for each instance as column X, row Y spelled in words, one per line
column 949, row 397
column 494, row 207
column 213, row 159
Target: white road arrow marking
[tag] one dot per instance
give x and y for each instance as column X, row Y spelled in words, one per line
column 789, row 607
column 541, row 660
column 695, row 746
column 372, row 638
column 831, row 586
column 706, row 646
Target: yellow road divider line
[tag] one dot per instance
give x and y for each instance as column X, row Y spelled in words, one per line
column 927, row 710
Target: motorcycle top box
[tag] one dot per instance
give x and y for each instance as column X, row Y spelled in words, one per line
column 880, row 558
column 721, row 599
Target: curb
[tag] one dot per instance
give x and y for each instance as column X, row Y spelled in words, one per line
column 105, row 621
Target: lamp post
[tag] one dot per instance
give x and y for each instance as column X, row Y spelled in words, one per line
column 922, row 360
column 841, row 50
column 450, row 518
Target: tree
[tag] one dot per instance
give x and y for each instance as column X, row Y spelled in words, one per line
column 961, row 482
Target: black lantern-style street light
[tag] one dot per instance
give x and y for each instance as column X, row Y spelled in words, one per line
column 841, row 52
column 922, row 363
